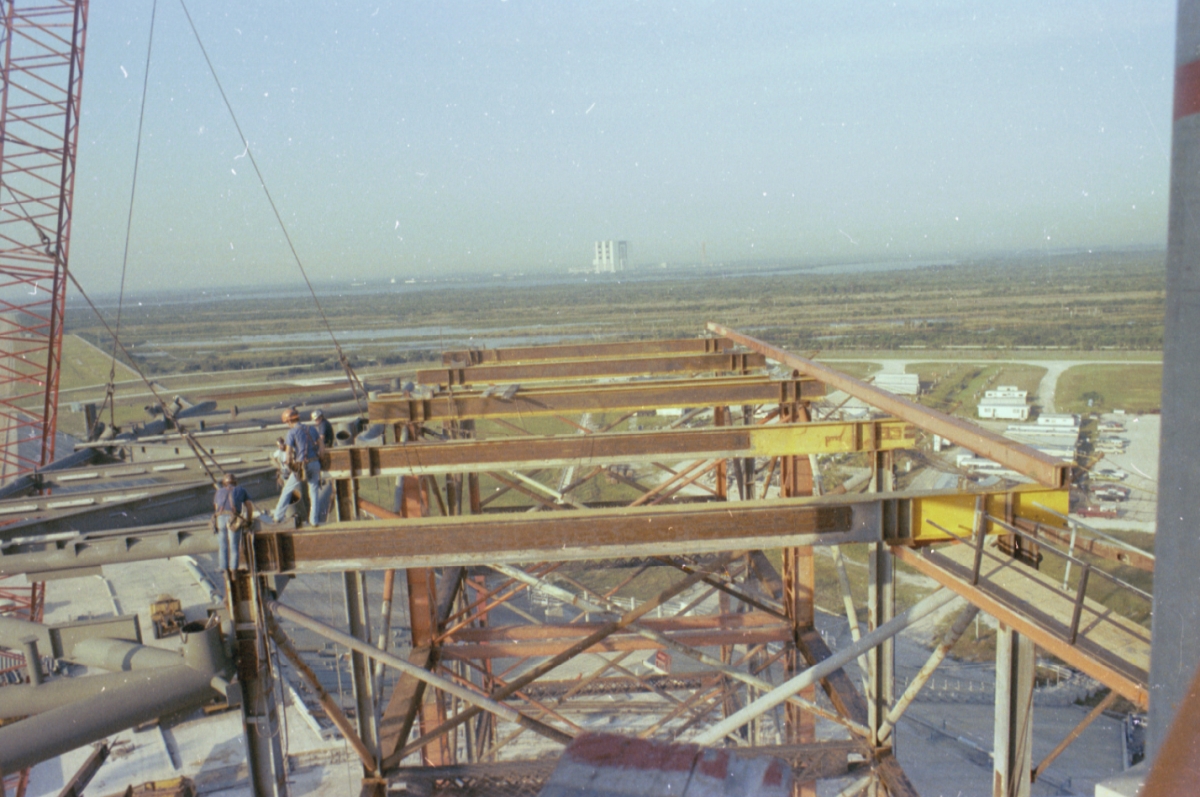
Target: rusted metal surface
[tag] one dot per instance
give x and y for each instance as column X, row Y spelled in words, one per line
column 575, row 399
column 1049, row 634
column 332, row 709
column 1173, row 773
column 825, row 759
column 548, row 665
column 1043, row 468
column 522, row 453
column 1089, row 545
column 578, row 351
column 556, row 638
column 585, row 534
column 554, row 370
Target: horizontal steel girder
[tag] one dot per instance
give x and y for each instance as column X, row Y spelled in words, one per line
column 505, row 373
column 61, row 553
column 575, row 399
column 811, row 761
column 580, row 351
column 567, row 535
column 1044, row 469
column 525, row 453
column 124, row 508
column 488, row 538
column 752, row 628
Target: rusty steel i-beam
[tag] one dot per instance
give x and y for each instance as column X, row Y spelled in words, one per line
column 521, row 453
column 575, row 399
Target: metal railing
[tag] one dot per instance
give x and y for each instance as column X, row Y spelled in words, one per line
column 977, row 542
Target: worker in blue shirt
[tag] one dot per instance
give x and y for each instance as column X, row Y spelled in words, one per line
column 304, row 449
column 233, row 511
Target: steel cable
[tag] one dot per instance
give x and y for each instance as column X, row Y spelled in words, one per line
column 355, row 383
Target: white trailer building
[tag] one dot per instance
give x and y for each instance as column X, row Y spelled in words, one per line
column 1010, row 408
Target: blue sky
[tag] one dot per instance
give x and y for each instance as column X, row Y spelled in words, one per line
column 403, row 139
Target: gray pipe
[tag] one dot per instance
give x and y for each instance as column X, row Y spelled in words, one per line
column 117, row 655
column 26, row 700
column 14, row 631
column 373, row 436
column 146, row 695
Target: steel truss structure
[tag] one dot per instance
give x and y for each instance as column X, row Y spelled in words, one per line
column 727, row 501
column 545, row 557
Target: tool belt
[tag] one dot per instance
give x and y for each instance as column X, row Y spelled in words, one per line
column 297, row 467
column 237, row 521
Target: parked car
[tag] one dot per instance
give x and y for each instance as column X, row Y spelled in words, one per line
column 1111, row 492
column 1097, row 511
column 1109, row 474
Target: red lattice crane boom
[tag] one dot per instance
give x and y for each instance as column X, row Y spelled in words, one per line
column 43, row 42
column 42, row 74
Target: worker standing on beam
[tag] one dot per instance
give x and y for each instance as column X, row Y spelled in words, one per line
column 233, row 510
column 304, row 449
column 323, row 427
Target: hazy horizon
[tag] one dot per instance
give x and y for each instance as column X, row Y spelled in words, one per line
column 508, row 136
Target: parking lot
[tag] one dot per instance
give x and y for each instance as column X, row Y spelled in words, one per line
column 1139, row 462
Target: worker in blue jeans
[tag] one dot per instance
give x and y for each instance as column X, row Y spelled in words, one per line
column 233, row 510
column 304, row 449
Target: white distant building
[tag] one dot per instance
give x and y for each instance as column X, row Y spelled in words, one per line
column 1006, row 391
column 1011, row 408
column 1061, row 419
column 611, row 257
column 900, row 384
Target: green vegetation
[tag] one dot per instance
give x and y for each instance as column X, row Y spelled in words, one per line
column 958, row 387
column 1109, row 302
column 1134, row 388
column 856, row 369
column 84, row 365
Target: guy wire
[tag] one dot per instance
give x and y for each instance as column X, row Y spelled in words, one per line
column 352, row 377
column 109, row 395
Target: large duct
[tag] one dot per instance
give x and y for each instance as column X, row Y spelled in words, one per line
column 67, row 713
column 145, row 695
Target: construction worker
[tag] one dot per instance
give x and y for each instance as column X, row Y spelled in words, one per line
column 304, row 449
column 323, row 427
column 279, row 458
column 233, row 511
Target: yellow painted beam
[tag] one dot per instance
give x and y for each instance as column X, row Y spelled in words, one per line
column 957, row 512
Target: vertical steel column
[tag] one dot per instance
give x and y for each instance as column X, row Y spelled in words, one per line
column 1012, row 748
column 881, row 607
column 362, row 673
column 260, row 714
column 721, row 417
column 1175, row 645
column 423, row 622
column 748, row 462
column 799, row 589
column 359, row 626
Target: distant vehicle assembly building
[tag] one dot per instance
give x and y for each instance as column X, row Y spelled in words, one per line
column 611, row 257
